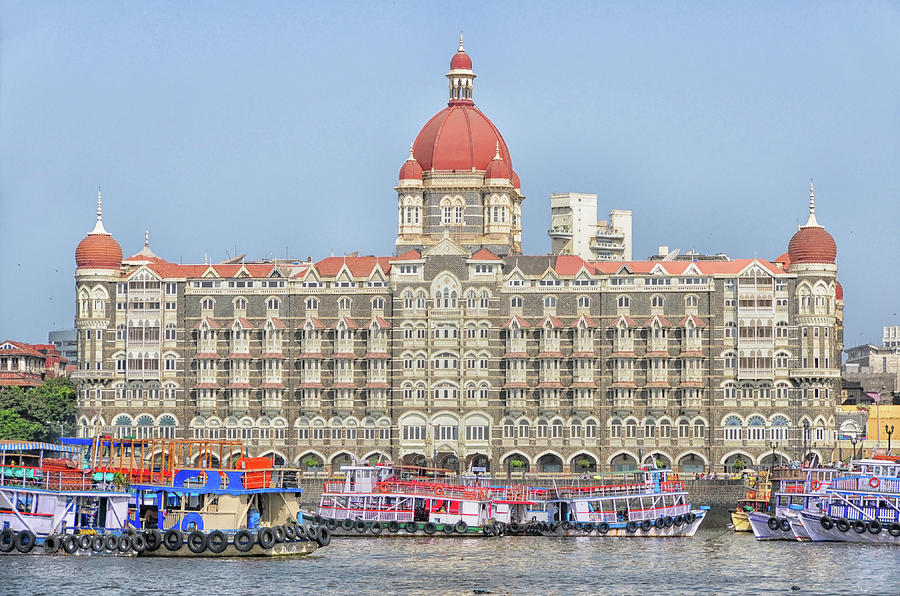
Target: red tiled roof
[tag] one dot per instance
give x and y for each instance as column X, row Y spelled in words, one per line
column 550, row 355
column 350, row 323
column 588, row 322
column 519, row 320
column 584, row 385
column 21, row 347
column 516, row 386
column 239, row 356
column 310, row 355
column 378, row 355
column 272, row 355
column 272, row 386
column 410, row 255
column 343, row 386
column 554, row 322
column 691, row 354
column 629, row 354
column 377, row 386
column 359, row 267
column 344, row 355
column 570, row 265
column 212, row 323
column 485, row 255
column 238, row 386
column 662, row 321
column 277, row 323
column 623, row 384
column 515, row 355
column 311, row 385
column 628, row 321
column 379, row 322
column 207, row 356
column 206, row 386
column 316, row 323
column 698, row 322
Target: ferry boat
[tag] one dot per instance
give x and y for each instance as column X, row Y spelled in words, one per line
column 159, row 508
column 861, row 506
column 799, row 489
column 756, row 499
column 654, row 505
column 44, row 493
column 394, row 500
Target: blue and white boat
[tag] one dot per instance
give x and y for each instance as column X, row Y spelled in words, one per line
column 861, row 506
column 800, row 489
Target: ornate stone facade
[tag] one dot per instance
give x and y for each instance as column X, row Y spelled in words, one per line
column 462, row 352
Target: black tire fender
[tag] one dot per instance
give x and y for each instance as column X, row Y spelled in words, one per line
column 461, row 527
column 124, row 543
column 70, row 544
column 138, row 543
column 84, row 542
column 411, row 527
column 631, row 527
column 603, row 527
column 429, row 528
column 173, row 539
column 7, row 540
column 216, row 541
column 266, row 537
column 111, row 543
column 393, row 526
column 25, row 541
column 324, row 536
column 52, row 544
column 243, row 540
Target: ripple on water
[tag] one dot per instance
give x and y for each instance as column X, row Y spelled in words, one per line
column 715, row 561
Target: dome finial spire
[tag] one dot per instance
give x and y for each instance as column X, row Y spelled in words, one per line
column 98, row 227
column 811, row 222
column 497, row 150
column 411, row 156
column 146, row 238
column 461, row 48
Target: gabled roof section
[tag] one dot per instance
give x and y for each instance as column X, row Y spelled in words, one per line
column 485, row 255
column 570, row 265
column 692, row 269
column 584, row 321
column 551, row 322
column 276, row 323
column 447, row 247
column 410, row 255
column 516, row 321
column 19, row 347
column 378, row 322
column 357, row 267
column 313, row 323
column 529, row 265
column 208, row 322
column 695, row 321
column 623, row 321
column 657, row 320
column 347, row 322
column 242, row 323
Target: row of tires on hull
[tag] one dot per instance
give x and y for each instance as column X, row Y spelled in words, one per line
column 361, row 526
column 173, row 539
column 859, row 526
column 776, row 524
column 541, row 528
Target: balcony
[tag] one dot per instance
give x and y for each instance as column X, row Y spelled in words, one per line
column 91, row 375
column 560, row 232
column 691, row 406
column 623, row 406
column 657, row 405
column 515, row 405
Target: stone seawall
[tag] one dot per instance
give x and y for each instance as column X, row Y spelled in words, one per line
column 715, row 493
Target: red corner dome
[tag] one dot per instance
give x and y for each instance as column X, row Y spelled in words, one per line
column 459, row 137
column 98, row 251
column 515, row 181
column 838, row 291
column 812, row 244
column 497, row 169
column 410, row 170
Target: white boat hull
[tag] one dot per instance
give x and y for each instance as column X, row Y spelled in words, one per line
column 813, row 525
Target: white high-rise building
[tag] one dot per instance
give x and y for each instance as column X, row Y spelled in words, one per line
column 574, row 229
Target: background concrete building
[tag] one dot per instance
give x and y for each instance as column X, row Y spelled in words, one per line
column 574, row 229
column 459, row 350
column 66, row 343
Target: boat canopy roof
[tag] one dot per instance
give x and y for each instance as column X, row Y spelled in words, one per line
column 35, row 446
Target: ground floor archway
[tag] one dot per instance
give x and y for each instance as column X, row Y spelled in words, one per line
column 478, row 463
column 691, row 464
column 623, row 462
column 550, row 463
column 583, row 463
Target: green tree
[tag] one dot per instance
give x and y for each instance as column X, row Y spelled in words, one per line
column 35, row 414
column 14, row 427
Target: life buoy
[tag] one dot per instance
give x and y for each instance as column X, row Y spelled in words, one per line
column 438, row 490
column 216, row 541
column 243, row 540
column 815, row 485
column 384, row 488
column 51, row 544
column 751, row 495
column 874, row 482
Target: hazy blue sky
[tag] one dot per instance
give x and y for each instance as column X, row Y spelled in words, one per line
column 266, row 127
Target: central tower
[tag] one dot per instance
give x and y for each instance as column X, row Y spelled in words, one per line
column 459, row 178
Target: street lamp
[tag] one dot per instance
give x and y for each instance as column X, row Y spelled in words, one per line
column 853, row 441
column 889, row 432
column 805, row 435
column 774, row 446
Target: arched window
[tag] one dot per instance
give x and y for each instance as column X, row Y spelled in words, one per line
column 756, row 428
column 345, row 303
column 733, row 428
column 207, row 304
column 378, row 303
column 623, row 301
column 447, row 212
column 550, row 302
column 516, row 302
column 657, row 301
column 779, row 430
column 691, row 301
column 273, row 304
column 584, row 302
column 240, row 304
column 312, row 303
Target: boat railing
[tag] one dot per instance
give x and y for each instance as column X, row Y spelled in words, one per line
column 656, row 512
column 256, row 478
column 39, row 478
column 843, row 510
column 867, row 484
column 432, row 489
column 399, row 515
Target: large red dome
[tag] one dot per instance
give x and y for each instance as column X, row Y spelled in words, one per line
column 98, row 251
column 461, row 138
column 812, row 244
